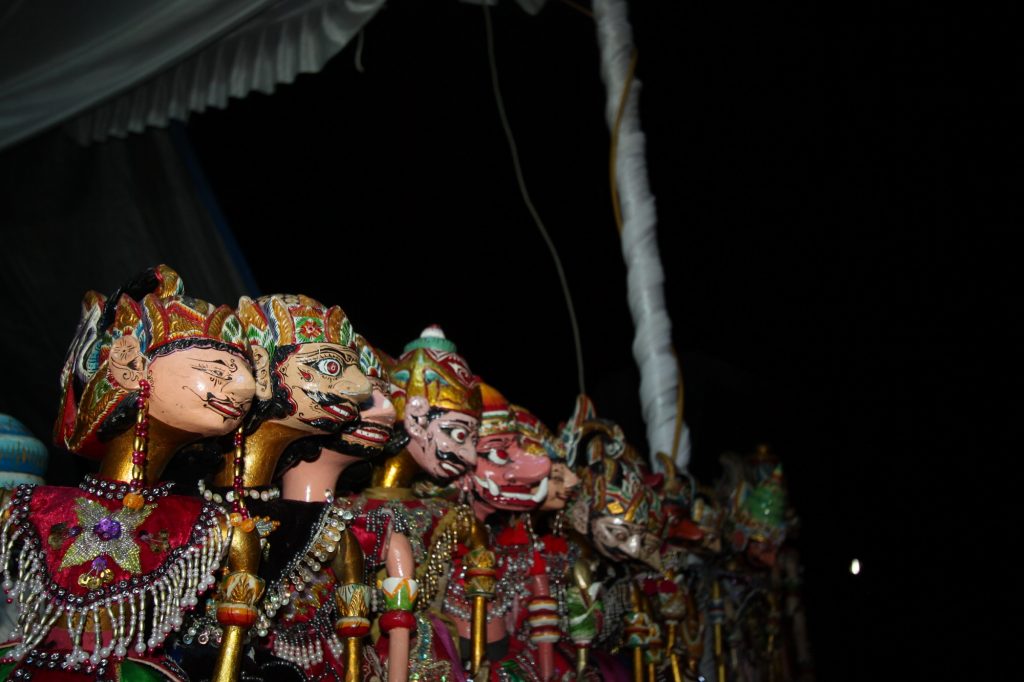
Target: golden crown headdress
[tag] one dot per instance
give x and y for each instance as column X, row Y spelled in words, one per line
column 536, row 432
column 612, row 480
column 162, row 320
column 497, row 415
column 289, row 319
column 430, row 366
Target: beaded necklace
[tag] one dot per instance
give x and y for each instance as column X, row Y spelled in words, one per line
column 301, row 571
column 264, row 493
column 515, row 562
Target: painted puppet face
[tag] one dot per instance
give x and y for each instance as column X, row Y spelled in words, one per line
column 619, row 540
column 443, row 444
column 511, row 472
column 562, row 485
column 376, row 422
column 325, row 386
column 200, row 390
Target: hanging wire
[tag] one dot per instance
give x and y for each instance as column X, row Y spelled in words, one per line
column 616, row 205
column 526, row 196
column 579, row 8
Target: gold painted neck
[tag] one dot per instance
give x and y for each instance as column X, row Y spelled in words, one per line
column 162, row 443
column 396, row 471
column 263, row 449
column 376, row 493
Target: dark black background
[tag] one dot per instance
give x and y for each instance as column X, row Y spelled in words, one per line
column 837, row 202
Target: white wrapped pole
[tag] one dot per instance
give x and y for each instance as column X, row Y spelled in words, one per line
column 652, row 344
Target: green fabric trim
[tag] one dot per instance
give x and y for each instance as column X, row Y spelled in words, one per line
column 5, row 670
column 134, row 671
column 515, row 674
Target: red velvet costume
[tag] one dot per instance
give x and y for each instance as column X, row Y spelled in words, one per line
column 106, row 569
column 103, row 573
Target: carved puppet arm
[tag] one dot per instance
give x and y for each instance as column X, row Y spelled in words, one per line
column 400, row 591
column 543, row 618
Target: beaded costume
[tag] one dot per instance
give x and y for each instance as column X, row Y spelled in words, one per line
column 289, row 551
column 437, row 401
column 105, row 571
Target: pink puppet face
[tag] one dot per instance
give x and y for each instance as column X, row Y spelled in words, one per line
column 511, row 472
column 443, row 443
column 201, row 390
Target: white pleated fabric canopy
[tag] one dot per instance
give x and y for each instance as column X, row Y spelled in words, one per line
column 111, row 68
column 121, row 65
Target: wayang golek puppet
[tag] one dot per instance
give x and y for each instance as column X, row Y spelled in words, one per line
column 558, row 568
column 437, row 401
column 107, row 570
column 308, row 383
column 302, row 630
column 698, row 533
column 581, row 598
column 511, row 477
column 673, row 595
column 749, row 584
column 621, row 514
column 312, row 473
column 552, row 628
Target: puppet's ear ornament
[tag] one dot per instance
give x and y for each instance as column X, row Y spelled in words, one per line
column 104, row 365
column 80, row 365
column 282, row 321
column 338, row 328
column 126, row 362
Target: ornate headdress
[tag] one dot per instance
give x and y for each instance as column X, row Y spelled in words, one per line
column 289, row 319
column 163, row 320
column 572, row 430
column 612, row 479
column 497, row 415
column 761, row 514
column 534, row 431
column 370, row 361
column 431, row 367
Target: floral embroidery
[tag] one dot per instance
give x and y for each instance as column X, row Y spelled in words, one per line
column 158, row 543
column 108, row 532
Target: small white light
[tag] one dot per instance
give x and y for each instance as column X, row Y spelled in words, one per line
column 855, row 566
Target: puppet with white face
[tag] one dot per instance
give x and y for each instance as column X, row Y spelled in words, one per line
column 149, row 371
